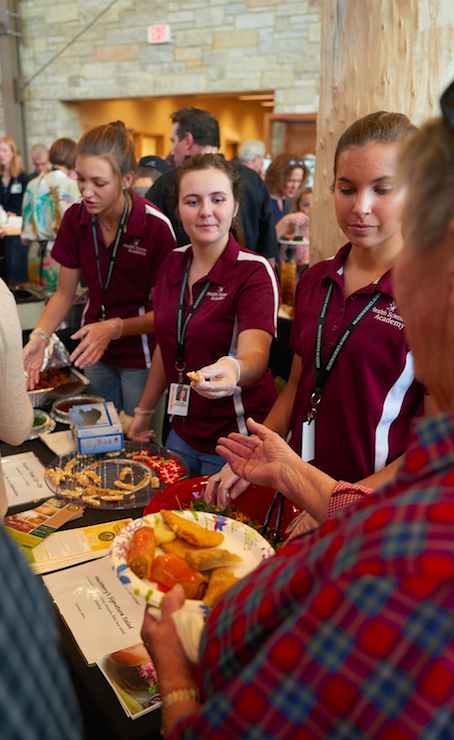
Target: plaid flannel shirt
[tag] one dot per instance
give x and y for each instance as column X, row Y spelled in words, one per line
column 348, row 632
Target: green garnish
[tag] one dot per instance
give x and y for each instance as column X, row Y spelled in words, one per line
column 39, row 421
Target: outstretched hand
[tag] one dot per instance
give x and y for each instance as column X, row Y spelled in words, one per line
column 223, row 376
column 223, row 484
column 259, row 459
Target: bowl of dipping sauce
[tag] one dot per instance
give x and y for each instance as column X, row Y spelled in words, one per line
column 61, row 407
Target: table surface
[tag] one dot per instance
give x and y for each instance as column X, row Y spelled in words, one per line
column 102, row 713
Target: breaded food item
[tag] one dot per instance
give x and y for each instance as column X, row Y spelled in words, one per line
column 220, row 581
column 169, row 570
column 164, row 535
column 209, row 559
column 192, row 532
column 195, row 376
column 180, row 547
column 141, row 552
column 56, row 475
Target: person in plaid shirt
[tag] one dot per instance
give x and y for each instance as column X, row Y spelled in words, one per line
column 347, row 633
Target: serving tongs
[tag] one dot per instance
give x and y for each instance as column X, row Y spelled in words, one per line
column 278, row 499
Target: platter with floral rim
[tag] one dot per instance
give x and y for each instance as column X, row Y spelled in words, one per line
column 239, row 538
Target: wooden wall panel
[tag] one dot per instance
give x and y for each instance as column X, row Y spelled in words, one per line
column 376, row 55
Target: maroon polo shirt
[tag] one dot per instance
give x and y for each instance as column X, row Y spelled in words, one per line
column 244, row 295
column 371, row 396
column 147, row 239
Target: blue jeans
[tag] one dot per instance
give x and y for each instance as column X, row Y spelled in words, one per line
column 200, row 462
column 16, row 260
column 124, row 386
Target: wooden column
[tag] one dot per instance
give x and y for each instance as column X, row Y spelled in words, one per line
column 394, row 55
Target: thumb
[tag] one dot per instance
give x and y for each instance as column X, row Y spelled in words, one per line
column 173, row 600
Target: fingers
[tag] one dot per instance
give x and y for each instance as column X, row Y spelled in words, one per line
column 239, row 487
column 81, row 332
column 211, row 488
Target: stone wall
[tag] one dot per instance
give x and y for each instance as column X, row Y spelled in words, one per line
column 217, row 46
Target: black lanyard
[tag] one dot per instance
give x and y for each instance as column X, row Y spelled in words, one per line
column 183, row 325
column 321, row 374
column 113, row 253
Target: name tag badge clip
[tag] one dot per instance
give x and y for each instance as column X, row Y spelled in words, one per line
column 308, row 430
column 179, row 394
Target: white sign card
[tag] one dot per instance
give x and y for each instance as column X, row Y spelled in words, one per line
column 24, row 478
column 102, row 615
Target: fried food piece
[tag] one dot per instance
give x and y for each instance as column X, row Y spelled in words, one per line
column 82, row 478
column 210, row 559
column 125, row 486
column 127, row 470
column 220, row 581
column 179, row 547
column 169, row 570
column 192, row 532
column 163, row 534
column 56, row 475
column 155, row 482
column 141, row 552
column 69, row 466
column 94, row 476
column 195, row 376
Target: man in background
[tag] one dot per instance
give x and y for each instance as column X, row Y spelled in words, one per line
column 40, row 159
column 148, row 170
column 196, row 131
column 251, row 155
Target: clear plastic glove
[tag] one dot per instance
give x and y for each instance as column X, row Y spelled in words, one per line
column 139, row 429
column 33, row 356
column 95, row 339
column 304, row 522
column 224, row 377
column 221, row 485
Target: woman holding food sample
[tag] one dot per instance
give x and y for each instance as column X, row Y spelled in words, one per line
column 117, row 241
column 215, row 309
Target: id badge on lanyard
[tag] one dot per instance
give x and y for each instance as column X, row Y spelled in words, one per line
column 179, row 393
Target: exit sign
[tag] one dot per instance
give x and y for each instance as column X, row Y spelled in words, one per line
column 158, row 34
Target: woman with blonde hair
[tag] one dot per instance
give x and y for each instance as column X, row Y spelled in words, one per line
column 14, row 181
column 118, row 241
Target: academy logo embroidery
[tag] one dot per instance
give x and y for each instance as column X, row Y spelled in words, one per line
column 135, row 247
column 389, row 316
column 217, row 295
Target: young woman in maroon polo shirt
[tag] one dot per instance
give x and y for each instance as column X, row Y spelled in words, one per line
column 215, row 309
column 117, row 241
column 364, row 408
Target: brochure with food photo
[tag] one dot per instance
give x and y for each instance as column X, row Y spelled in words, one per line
column 31, row 527
column 133, row 678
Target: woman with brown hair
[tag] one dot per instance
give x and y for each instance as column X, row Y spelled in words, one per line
column 216, row 310
column 117, row 241
column 286, row 174
column 14, row 181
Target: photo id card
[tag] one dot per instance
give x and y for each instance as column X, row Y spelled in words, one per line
column 308, row 441
column 179, row 399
